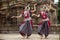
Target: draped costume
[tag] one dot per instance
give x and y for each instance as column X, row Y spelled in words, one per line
column 43, row 27
column 26, row 26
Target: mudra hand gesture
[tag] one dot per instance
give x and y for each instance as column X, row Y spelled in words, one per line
column 33, row 14
column 13, row 17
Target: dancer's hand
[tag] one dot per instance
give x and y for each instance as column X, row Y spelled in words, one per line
column 38, row 15
column 13, row 17
column 35, row 4
column 33, row 14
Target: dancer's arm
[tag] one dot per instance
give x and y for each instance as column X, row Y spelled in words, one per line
column 37, row 15
column 17, row 16
column 27, row 7
column 34, row 8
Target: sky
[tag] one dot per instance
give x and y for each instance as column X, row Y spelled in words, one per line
column 55, row 1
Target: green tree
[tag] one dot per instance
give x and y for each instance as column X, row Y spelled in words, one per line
column 58, row 12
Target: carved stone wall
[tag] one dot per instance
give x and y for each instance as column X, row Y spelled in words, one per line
column 13, row 8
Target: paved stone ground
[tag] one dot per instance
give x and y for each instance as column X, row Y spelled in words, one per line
column 32, row 37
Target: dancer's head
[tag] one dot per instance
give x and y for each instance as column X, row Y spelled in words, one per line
column 43, row 9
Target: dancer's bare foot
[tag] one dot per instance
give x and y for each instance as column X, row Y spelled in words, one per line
column 41, row 36
column 24, row 37
column 46, row 37
column 27, row 37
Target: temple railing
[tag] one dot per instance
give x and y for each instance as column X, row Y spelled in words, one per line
column 55, row 29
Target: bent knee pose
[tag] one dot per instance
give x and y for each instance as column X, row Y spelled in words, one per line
column 43, row 28
column 26, row 27
column 44, row 25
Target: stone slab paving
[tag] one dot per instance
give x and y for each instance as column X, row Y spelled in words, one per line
column 32, row 37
